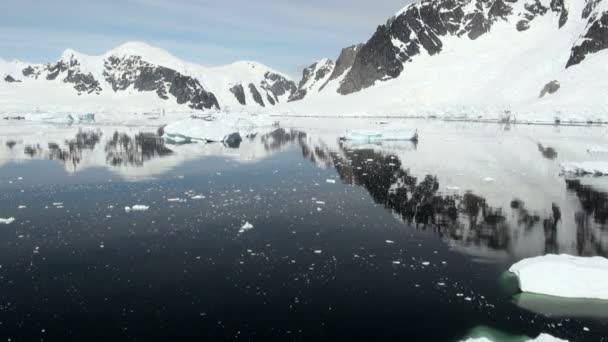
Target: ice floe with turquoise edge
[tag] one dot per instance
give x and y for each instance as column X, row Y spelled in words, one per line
column 563, row 276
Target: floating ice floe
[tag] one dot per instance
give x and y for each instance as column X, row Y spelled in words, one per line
column 487, row 334
column 540, row 338
column 7, row 220
column 391, row 134
column 137, row 207
column 597, row 168
column 247, row 226
column 229, row 131
column 564, row 276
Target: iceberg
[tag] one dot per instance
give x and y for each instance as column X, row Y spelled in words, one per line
column 7, row 220
column 380, row 135
column 137, row 207
column 487, row 334
column 87, row 117
column 223, row 130
column 564, row 276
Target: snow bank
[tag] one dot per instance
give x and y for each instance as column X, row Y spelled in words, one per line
column 564, row 276
column 598, row 168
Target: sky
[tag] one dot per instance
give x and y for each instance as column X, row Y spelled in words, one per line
column 284, row 34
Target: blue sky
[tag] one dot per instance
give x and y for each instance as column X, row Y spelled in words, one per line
column 285, row 34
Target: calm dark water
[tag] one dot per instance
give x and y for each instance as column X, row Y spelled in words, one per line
column 348, row 242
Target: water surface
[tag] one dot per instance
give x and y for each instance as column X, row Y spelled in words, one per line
column 387, row 241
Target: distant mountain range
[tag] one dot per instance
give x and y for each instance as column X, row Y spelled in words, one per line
column 136, row 74
column 444, row 57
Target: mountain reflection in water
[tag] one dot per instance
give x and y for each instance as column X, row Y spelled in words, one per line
column 465, row 219
column 124, row 150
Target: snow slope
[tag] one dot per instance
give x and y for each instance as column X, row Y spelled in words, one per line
column 502, row 70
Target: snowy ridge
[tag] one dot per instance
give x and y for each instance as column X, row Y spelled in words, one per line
column 136, row 77
column 538, row 60
column 314, row 78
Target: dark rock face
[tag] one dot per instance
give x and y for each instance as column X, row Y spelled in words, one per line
column 233, row 140
column 310, row 76
column 421, row 26
column 10, row 79
column 550, row 88
column 239, row 93
column 594, row 40
column 257, row 97
column 344, row 62
column 83, row 83
column 143, row 76
column 278, row 85
column 307, row 74
column 29, row 71
column 523, row 25
column 590, row 7
column 270, row 99
column 559, row 6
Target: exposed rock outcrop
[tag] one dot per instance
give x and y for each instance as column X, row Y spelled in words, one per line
column 239, row 93
column 257, row 97
column 550, row 88
column 133, row 71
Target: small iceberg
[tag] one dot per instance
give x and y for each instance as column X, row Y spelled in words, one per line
column 87, row 117
column 7, row 220
column 247, row 226
column 596, row 168
column 564, row 276
column 58, row 119
column 229, row 131
column 137, row 207
column 380, row 135
column 487, row 334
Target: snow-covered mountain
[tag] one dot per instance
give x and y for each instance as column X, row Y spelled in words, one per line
column 139, row 77
column 475, row 57
column 534, row 59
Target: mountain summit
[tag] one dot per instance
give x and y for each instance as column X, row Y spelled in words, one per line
column 450, row 57
column 136, row 74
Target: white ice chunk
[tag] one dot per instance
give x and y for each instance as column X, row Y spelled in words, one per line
column 247, row 226
column 137, row 207
column 564, row 276
column 7, row 220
